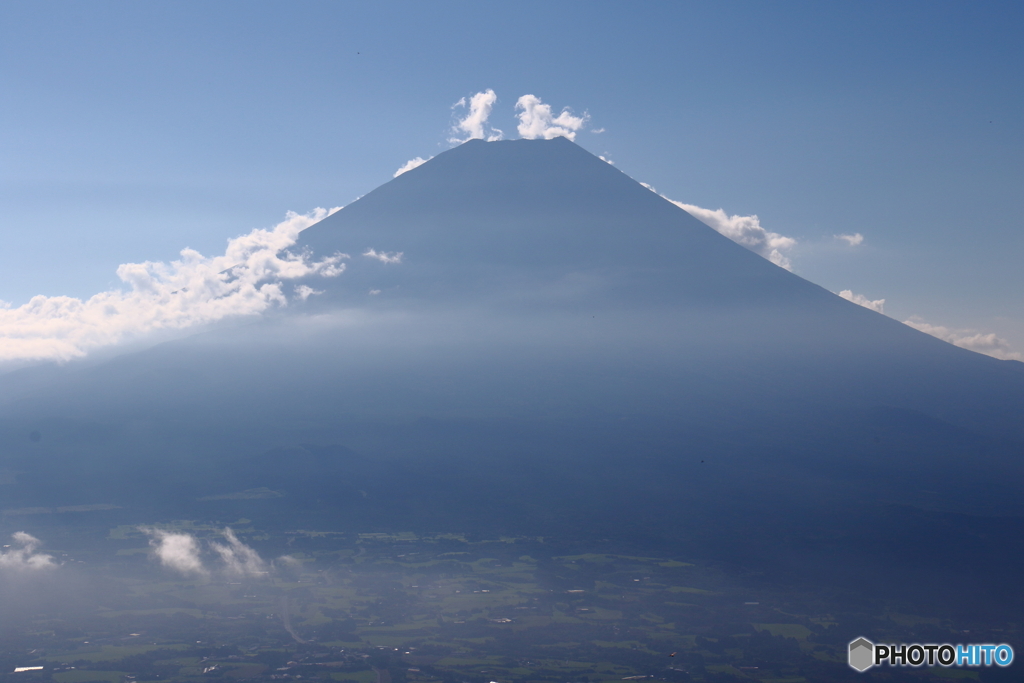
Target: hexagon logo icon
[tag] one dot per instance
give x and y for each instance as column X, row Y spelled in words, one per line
column 862, row 654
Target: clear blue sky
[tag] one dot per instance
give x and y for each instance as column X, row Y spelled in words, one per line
column 131, row 130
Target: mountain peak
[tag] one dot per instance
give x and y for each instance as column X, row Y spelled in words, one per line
column 534, row 212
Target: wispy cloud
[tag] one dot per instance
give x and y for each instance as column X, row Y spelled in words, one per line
column 384, row 256
column 473, row 126
column 176, row 551
column 411, row 164
column 853, row 240
column 989, row 343
column 247, row 279
column 23, row 555
column 239, row 559
column 536, row 120
column 744, row 230
column 878, row 305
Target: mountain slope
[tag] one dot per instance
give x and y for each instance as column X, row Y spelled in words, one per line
column 558, row 351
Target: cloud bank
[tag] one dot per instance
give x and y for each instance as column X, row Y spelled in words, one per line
column 473, row 126
column 22, row 555
column 744, row 230
column 411, row 164
column 989, row 344
column 536, row 120
column 245, row 280
column 877, row 305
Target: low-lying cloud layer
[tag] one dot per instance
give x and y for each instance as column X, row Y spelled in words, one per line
column 176, row 551
column 183, row 553
column 989, row 344
column 247, row 279
column 238, row 558
column 22, row 554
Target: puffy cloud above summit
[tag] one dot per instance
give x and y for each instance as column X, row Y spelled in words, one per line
column 247, row 279
column 473, row 126
column 536, row 120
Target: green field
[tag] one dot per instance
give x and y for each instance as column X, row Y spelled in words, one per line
column 445, row 609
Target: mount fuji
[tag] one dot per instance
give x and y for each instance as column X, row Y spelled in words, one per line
column 527, row 341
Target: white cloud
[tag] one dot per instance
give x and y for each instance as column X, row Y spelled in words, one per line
column 182, row 553
column 605, row 160
column 239, row 559
column 597, row 130
column 374, row 292
column 853, row 240
column 744, row 230
column 305, row 291
column 384, row 256
column 474, row 124
column 177, row 551
column 989, row 344
column 21, row 555
column 877, row 305
column 537, row 121
column 287, row 562
column 245, row 280
column 411, row 164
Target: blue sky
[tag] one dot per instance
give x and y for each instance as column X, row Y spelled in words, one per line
column 129, row 131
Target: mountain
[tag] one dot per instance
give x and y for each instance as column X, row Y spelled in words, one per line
column 547, row 235
column 556, row 351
